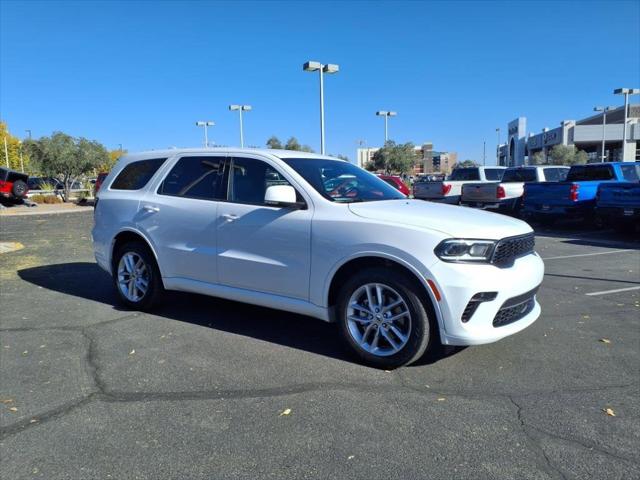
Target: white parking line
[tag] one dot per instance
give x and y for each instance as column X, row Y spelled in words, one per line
column 590, row 254
column 617, row 290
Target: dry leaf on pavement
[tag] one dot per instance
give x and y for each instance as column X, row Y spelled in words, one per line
column 605, row 340
column 609, row 412
column 286, row 411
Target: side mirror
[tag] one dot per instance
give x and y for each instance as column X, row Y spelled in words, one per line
column 281, row 196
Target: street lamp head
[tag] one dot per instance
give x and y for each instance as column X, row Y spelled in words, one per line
column 234, row 107
column 382, row 113
column 311, row 66
column 392, row 114
column 246, row 108
column 598, row 109
column 331, row 68
column 628, row 91
column 202, row 124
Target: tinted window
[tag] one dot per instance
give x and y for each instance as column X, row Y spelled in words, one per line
column 196, row 177
column 465, row 174
column 136, row 175
column 519, row 175
column 342, row 181
column 631, row 173
column 250, row 180
column 494, row 174
column 581, row 173
column 555, row 174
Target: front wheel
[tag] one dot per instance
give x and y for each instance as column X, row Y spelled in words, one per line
column 382, row 318
column 136, row 276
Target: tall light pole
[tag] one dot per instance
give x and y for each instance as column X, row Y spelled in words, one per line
column 328, row 68
column 604, row 111
column 240, row 109
column 205, row 124
column 28, row 133
column 498, row 147
column 626, row 92
column 386, row 115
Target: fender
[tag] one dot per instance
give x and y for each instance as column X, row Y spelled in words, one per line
column 133, row 229
column 393, row 258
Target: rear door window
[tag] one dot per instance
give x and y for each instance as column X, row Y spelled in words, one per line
column 583, row 173
column 494, row 174
column 631, row 173
column 137, row 174
column 196, row 177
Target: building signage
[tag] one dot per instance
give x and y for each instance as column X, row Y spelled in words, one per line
column 550, row 137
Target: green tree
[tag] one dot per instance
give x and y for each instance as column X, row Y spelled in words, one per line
column 567, row 155
column 66, row 157
column 114, row 155
column 293, row 144
column 537, row 158
column 14, row 148
column 393, row 158
column 466, row 164
column 274, row 142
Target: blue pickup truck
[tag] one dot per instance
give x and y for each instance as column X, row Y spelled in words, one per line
column 575, row 198
column 618, row 204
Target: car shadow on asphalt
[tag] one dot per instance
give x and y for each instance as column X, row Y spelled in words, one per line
column 88, row 281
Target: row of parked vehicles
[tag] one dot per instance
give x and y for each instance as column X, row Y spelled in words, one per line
column 601, row 193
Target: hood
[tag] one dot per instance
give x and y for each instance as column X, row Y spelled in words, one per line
column 458, row 222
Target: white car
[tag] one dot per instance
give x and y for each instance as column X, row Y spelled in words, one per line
column 450, row 190
column 506, row 196
column 320, row 237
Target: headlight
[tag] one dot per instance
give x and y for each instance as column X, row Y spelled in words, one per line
column 461, row 250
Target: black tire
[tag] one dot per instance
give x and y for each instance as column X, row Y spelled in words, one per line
column 19, row 189
column 422, row 330
column 155, row 289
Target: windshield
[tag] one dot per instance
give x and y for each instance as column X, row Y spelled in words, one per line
column 519, row 175
column 631, row 173
column 342, row 181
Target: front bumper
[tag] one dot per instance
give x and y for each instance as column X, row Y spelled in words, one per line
column 459, row 282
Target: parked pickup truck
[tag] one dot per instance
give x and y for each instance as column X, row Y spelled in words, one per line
column 618, row 204
column 576, row 197
column 450, row 190
column 506, row 196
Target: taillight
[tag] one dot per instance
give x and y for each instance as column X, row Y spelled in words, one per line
column 446, row 188
column 573, row 192
column 500, row 192
column 2, row 183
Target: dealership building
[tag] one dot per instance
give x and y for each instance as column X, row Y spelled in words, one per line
column 585, row 134
column 427, row 159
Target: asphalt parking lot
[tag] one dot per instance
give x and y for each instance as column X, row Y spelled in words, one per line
column 207, row 388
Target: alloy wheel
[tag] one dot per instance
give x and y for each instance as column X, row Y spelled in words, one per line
column 133, row 276
column 378, row 319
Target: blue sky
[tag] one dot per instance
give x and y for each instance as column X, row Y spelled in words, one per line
column 141, row 73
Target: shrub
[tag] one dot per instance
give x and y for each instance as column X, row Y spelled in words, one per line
column 46, row 199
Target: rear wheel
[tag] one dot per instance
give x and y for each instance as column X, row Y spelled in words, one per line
column 19, row 189
column 382, row 318
column 136, row 276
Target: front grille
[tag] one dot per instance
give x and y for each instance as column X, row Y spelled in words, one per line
column 508, row 249
column 515, row 308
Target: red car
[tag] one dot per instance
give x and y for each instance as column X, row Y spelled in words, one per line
column 99, row 180
column 13, row 185
column 396, row 182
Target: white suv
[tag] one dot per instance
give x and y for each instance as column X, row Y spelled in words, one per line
column 317, row 236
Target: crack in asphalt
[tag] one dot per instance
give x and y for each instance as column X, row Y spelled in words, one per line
column 101, row 392
column 547, row 465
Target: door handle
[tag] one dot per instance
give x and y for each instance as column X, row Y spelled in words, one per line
column 150, row 209
column 229, row 217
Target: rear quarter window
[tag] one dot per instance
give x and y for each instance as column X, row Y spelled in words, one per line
column 465, row 174
column 519, row 175
column 137, row 174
